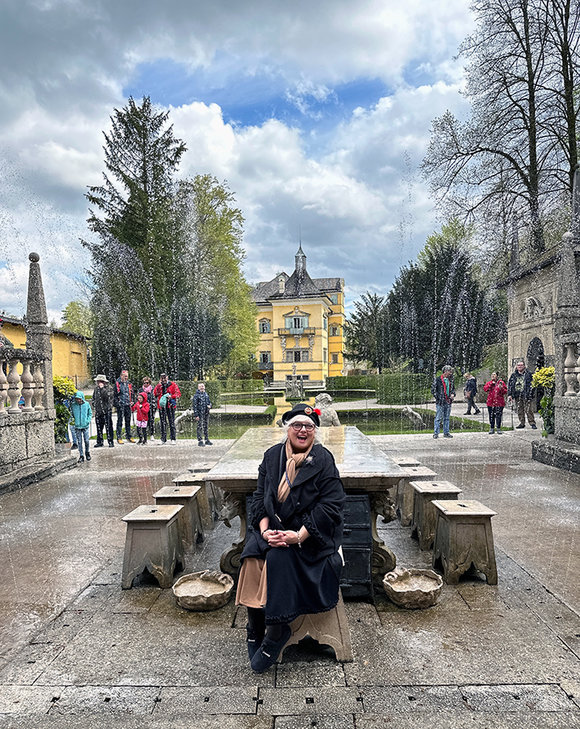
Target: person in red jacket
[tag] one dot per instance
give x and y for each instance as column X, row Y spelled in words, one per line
column 496, row 390
column 141, row 407
column 167, row 406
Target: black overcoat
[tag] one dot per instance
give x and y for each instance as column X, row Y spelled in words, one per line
column 301, row 580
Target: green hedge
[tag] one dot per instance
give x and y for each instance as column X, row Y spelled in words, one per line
column 392, row 388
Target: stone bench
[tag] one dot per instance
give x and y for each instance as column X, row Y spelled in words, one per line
column 463, row 537
column 424, row 518
column 328, row 628
column 152, row 543
column 189, row 518
column 406, row 493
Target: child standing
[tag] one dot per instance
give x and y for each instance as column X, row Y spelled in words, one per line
column 82, row 414
column 496, row 390
column 141, row 407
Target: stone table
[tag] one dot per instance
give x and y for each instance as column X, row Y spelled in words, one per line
column 363, row 468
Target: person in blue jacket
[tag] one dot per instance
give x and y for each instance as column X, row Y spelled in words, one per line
column 82, row 414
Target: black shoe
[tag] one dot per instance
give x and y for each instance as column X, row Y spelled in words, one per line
column 447, row 435
column 468, row 413
column 73, row 447
column 435, row 435
column 88, row 456
column 268, row 652
column 200, row 443
column 98, row 445
column 208, row 442
column 111, row 445
column 520, row 426
column 477, row 412
column 534, row 427
column 81, row 459
column 254, row 640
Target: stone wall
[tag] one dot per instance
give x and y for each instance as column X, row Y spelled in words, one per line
column 26, row 438
column 532, row 306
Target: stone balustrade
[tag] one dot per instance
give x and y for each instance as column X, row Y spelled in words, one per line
column 571, row 355
column 21, row 375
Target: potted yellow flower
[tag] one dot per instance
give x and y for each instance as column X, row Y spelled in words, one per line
column 545, row 377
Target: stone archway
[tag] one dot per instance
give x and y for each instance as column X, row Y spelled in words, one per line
column 535, row 356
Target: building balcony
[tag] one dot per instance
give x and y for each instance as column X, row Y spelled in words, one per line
column 300, row 331
column 265, row 365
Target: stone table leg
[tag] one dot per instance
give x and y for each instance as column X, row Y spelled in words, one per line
column 233, row 505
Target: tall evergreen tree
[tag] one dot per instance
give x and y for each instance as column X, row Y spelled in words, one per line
column 135, row 255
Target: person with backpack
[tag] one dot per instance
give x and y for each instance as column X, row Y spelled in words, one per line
column 167, row 406
column 469, row 392
column 123, row 399
column 82, row 414
column 103, row 408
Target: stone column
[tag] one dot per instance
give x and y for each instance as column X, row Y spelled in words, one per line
column 37, row 329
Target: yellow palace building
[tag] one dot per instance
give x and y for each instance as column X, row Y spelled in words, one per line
column 70, row 352
column 301, row 325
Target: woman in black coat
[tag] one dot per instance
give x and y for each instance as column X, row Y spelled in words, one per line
column 290, row 563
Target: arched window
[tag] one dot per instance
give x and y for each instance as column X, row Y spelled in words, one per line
column 264, row 326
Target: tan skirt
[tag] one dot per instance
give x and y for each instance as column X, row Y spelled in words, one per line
column 252, row 586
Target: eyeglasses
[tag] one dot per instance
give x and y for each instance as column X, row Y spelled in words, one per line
column 309, row 427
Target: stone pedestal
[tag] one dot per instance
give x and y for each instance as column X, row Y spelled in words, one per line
column 198, row 480
column 406, row 493
column 152, row 543
column 189, row 518
column 463, row 537
column 423, row 510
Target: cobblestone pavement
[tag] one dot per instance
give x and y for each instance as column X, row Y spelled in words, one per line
column 77, row 651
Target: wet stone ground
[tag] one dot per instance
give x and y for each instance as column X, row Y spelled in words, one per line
column 76, row 650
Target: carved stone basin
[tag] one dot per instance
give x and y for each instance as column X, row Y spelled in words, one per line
column 207, row 590
column 412, row 588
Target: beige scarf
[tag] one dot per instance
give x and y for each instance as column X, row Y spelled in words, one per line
column 293, row 463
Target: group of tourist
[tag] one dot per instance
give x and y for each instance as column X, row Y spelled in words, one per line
column 519, row 392
column 145, row 403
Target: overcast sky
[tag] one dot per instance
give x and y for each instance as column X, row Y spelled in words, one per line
column 316, row 113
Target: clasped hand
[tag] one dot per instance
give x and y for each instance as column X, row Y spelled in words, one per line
column 279, row 538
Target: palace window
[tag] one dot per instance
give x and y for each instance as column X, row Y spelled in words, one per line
column 265, row 357
column 296, row 322
column 325, row 355
column 324, row 323
column 334, row 331
column 334, row 298
column 335, row 358
column 297, row 355
column 264, row 326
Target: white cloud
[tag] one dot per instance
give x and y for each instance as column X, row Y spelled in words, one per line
column 352, row 188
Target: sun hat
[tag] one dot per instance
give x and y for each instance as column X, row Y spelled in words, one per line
column 302, row 408
column 101, row 378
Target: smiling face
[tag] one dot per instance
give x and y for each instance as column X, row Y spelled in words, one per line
column 520, row 367
column 301, row 439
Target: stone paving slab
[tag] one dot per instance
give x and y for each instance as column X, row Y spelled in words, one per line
column 315, row 721
column 209, row 700
column 449, row 720
column 403, row 699
column 27, row 699
column 427, row 648
column 105, row 700
column 517, row 698
column 142, row 650
column 314, row 700
column 125, row 721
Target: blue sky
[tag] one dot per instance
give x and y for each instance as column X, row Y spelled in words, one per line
column 250, row 99
column 316, row 116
